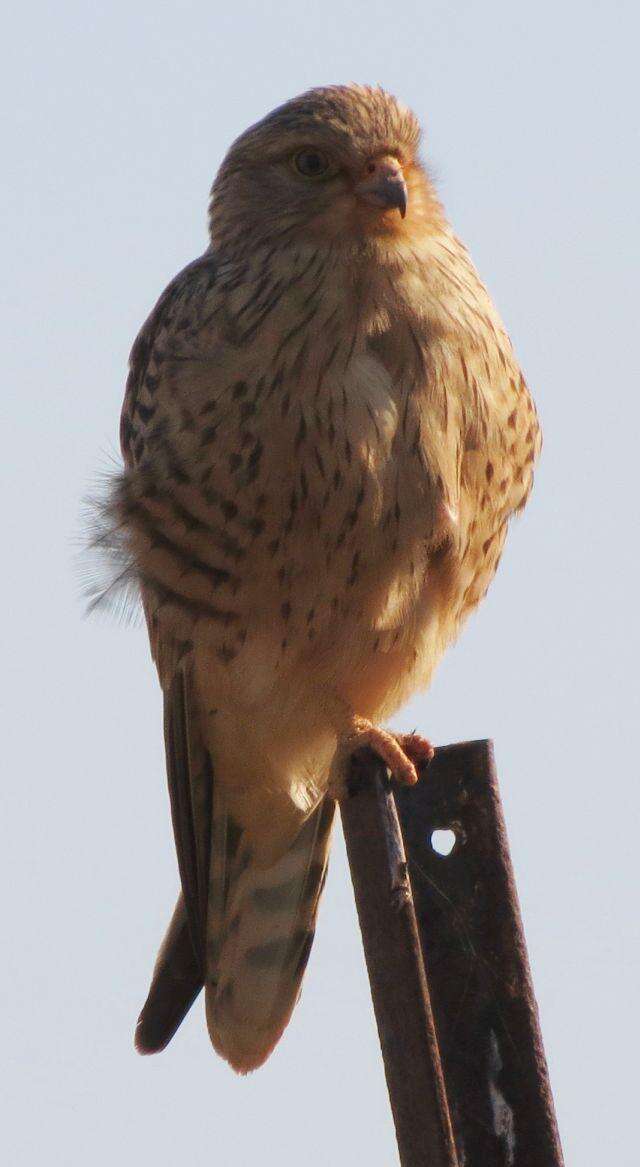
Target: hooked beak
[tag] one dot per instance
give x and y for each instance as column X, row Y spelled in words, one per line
column 383, row 185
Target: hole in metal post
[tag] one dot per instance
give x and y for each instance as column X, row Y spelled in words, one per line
column 443, row 841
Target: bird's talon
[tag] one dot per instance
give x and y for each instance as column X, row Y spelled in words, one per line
column 402, row 754
column 417, row 748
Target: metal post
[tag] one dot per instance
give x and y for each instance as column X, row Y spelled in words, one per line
column 476, row 957
column 443, row 940
column 396, row 970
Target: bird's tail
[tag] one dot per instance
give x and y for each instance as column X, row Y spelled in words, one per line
column 264, row 940
column 244, row 923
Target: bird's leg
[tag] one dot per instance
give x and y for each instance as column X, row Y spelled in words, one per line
column 402, row 753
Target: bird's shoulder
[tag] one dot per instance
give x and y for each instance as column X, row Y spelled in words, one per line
column 175, row 329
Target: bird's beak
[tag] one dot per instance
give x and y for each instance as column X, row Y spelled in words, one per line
column 383, row 184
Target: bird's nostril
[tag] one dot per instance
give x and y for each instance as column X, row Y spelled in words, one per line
column 371, row 168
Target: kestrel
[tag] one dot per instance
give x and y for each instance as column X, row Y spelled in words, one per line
column 325, row 434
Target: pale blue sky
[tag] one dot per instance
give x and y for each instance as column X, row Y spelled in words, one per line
column 116, row 119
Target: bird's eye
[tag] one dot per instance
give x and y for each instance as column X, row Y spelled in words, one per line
column 311, row 163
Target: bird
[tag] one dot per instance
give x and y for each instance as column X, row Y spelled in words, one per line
column 325, row 434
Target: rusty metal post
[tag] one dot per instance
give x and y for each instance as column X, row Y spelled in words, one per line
column 476, row 958
column 396, row 970
column 446, row 945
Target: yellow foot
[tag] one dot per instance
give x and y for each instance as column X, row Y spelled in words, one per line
column 402, row 753
column 417, row 748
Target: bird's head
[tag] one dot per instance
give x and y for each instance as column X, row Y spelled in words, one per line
column 337, row 164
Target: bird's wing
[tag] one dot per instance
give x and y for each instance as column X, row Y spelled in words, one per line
column 189, row 533
column 176, row 982
column 159, row 340
column 160, row 348
column 181, row 967
column 191, row 790
column 176, row 527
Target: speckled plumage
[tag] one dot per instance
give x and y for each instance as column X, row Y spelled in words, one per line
column 326, row 433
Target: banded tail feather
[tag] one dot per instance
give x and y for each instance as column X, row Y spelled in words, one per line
column 267, row 935
column 241, row 928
